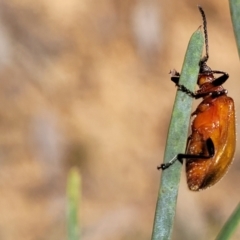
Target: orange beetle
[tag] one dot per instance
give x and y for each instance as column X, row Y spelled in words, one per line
column 211, row 145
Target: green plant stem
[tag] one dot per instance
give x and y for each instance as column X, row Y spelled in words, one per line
column 235, row 15
column 73, row 199
column 176, row 141
column 230, row 226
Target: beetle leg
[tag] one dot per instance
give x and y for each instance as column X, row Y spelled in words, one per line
column 186, row 90
column 175, row 75
column 213, row 93
column 220, row 80
column 163, row 166
column 175, row 79
column 210, row 149
column 168, row 164
column 180, row 156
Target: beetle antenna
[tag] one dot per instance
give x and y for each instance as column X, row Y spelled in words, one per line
column 205, row 58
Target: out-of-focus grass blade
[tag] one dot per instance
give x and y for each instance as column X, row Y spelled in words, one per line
column 73, row 202
column 235, row 14
column 176, row 141
column 230, row 226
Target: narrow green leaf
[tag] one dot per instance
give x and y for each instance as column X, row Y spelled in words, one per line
column 235, row 14
column 73, row 199
column 176, row 141
column 230, row 226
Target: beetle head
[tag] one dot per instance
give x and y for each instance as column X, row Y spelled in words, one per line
column 205, row 73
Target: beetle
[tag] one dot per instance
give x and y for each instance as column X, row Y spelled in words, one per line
column 211, row 145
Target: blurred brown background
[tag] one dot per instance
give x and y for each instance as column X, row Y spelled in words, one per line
column 85, row 83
